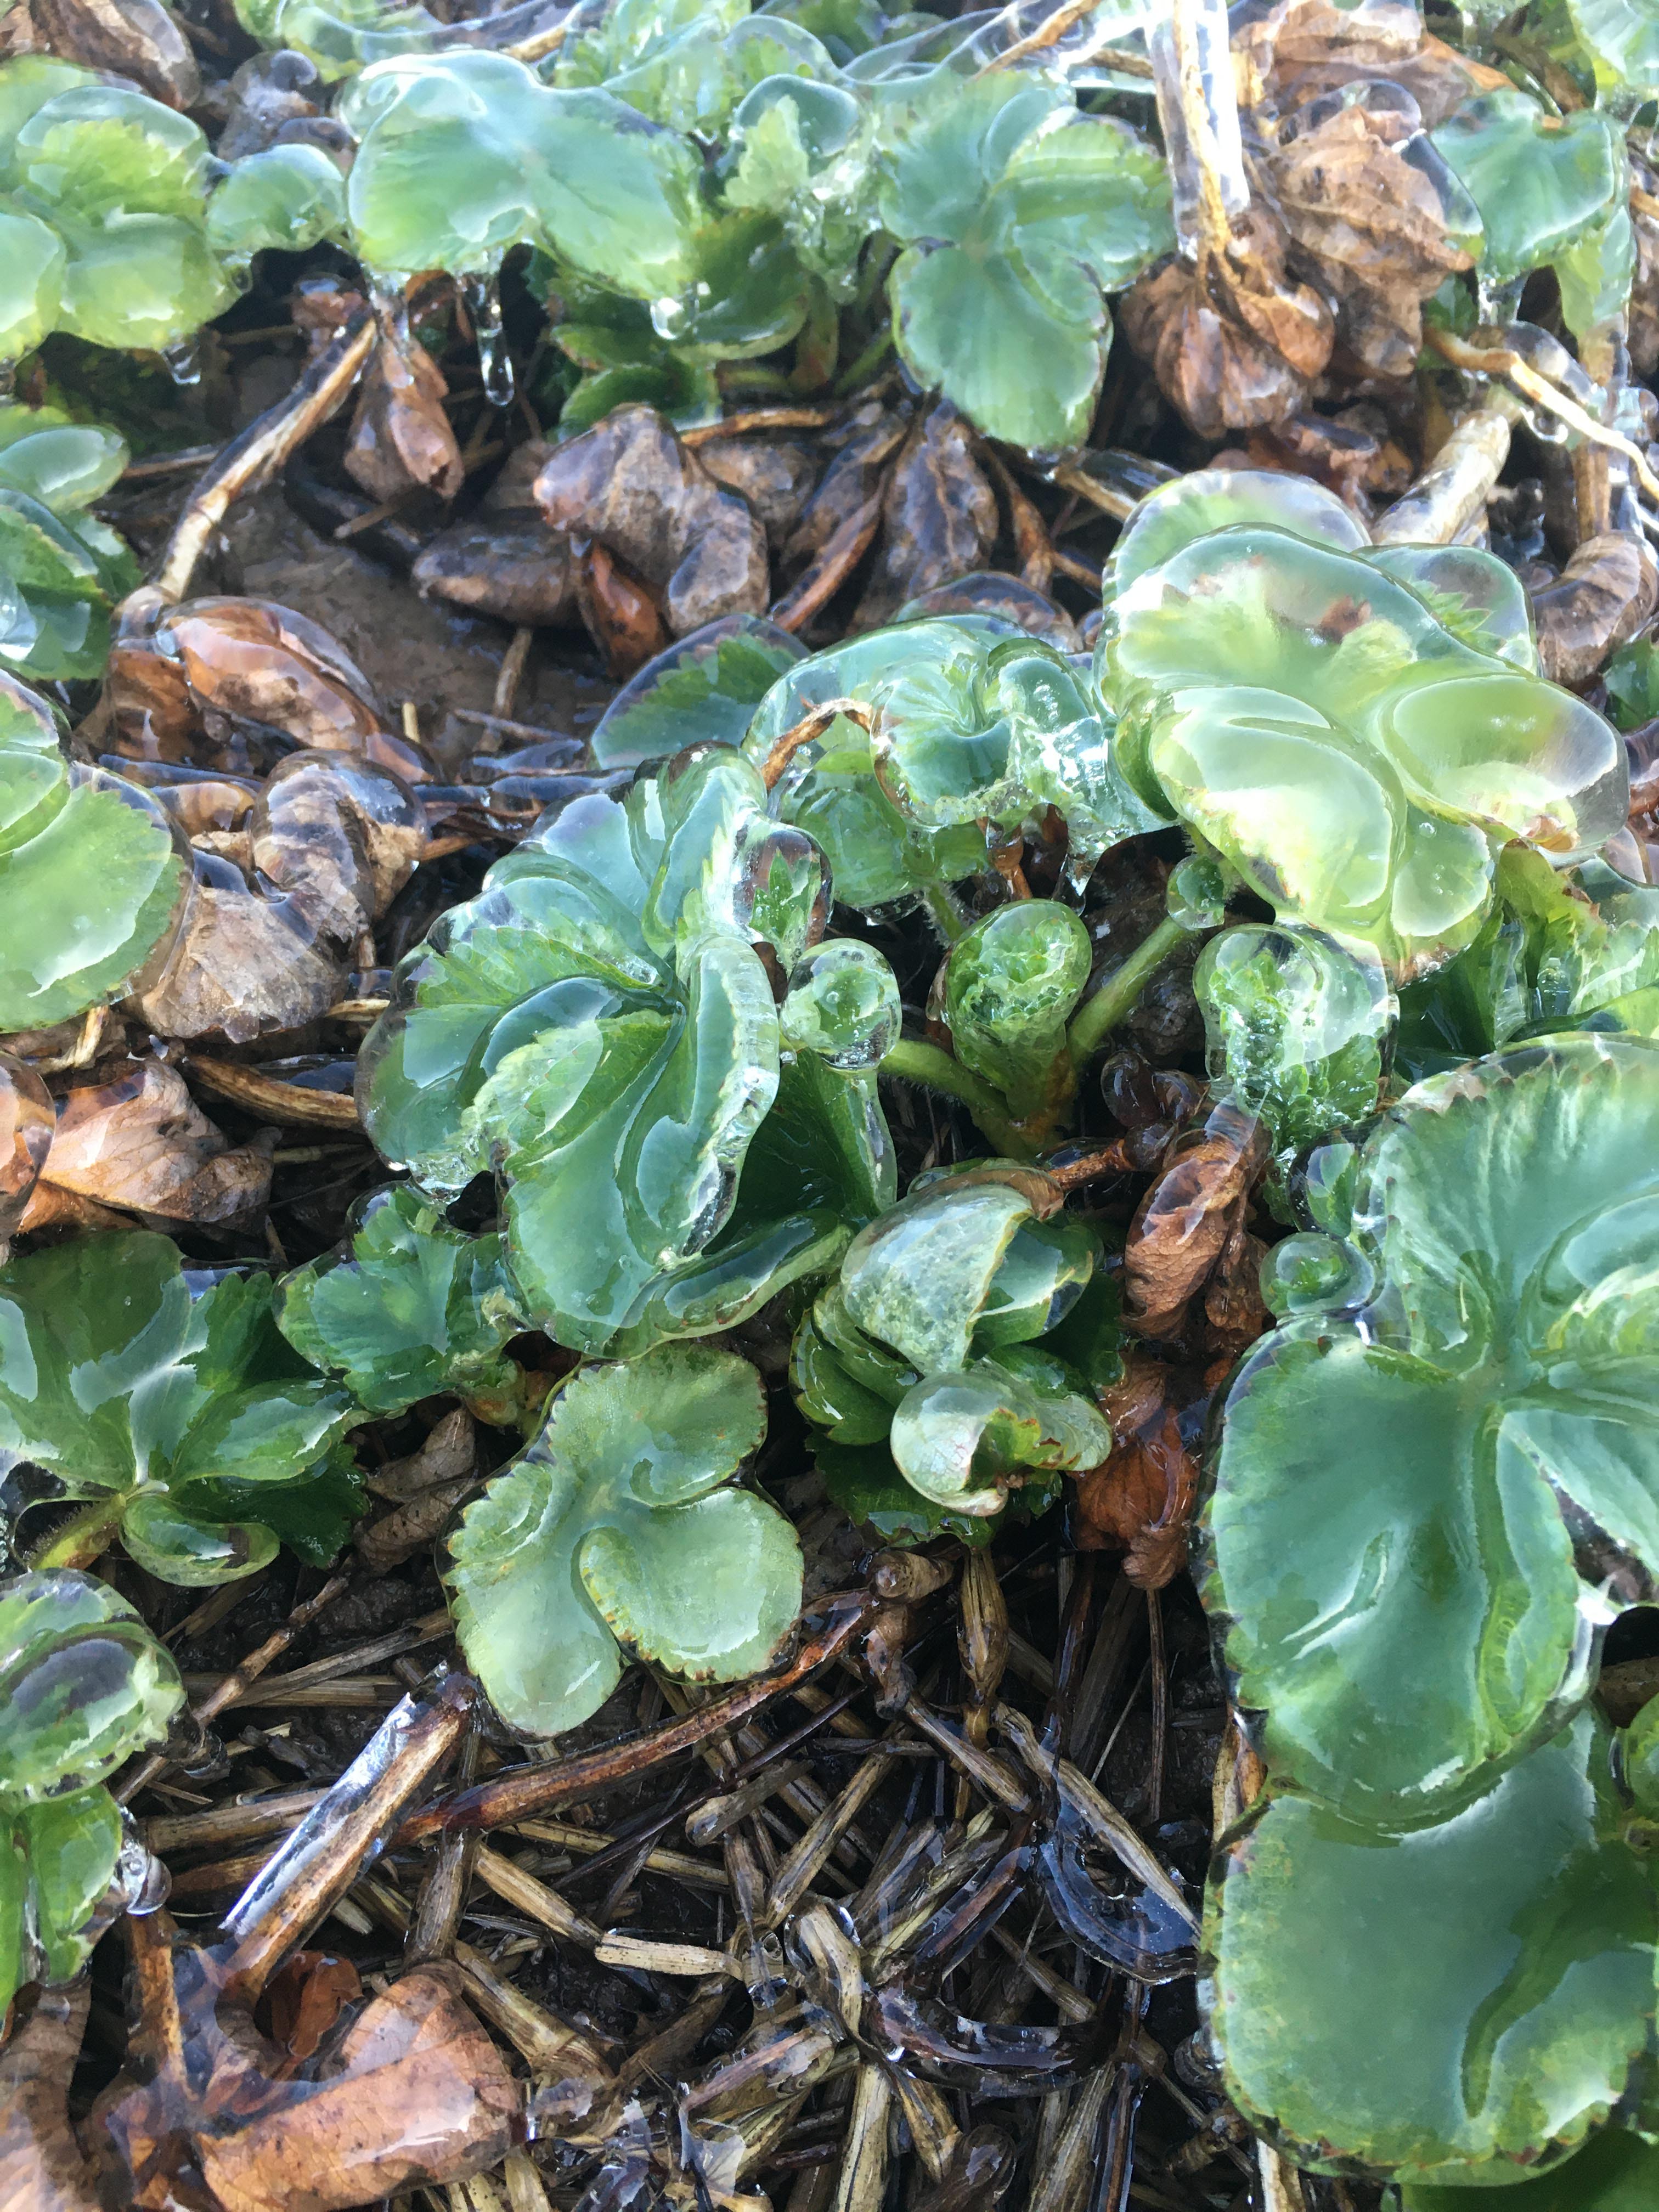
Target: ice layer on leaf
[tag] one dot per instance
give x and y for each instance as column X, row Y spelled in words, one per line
column 83, row 1686
column 1357, row 733
column 172, row 1409
column 600, row 1027
column 621, row 1521
column 1420, row 1516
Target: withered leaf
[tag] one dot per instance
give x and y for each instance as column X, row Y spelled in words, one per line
column 775, row 476
column 513, row 567
column 138, row 1142
column 408, row 2090
column 860, row 451
column 622, row 617
column 635, row 490
column 1601, row 598
column 135, row 38
column 401, row 440
column 26, row 1123
column 1183, row 1223
column 938, row 516
column 41, row 2166
column 1140, row 1501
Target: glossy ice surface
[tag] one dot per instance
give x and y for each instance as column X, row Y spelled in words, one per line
column 1357, row 733
column 599, row 1026
column 83, row 1685
column 91, row 881
column 953, row 1358
column 621, row 1520
column 172, row 1408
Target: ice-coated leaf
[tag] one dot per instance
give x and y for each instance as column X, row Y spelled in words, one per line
column 1396, row 1496
column 599, row 1026
column 1356, row 735
column 83, row 1686
column 619, row 1522
column 938, row 1358
column 803, row 152
column 1622, row 37
column 406, row 1307
column 974, row 721
column 1296, row 1024
column 1017, row 215
column 60, row 570
column 1506, row 1958
column 1010, row 986
column 703, row 691
column 466, row 153
column 285, row 197
column 1541, row 182
column 91, row 882
column 1545, row 960
column 142, row 1391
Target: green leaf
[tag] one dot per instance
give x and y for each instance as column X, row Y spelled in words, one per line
column 132, row 1384
column 1297, row 1022
column 1017, row 213
column 1507, row 1961
column 1541, row 182
column 84, row 1682
column 1615, row 2172
column 406, row 1307
column 288, row 198
column 1425, row 1466
column 313, row 1514
column 1010, row 985
column 60, row 570
column 702, row 691
column 599, row 1027
column 1623, row 39
column 72, row 1845
column 863, row 1481
column 466, row 153
column 618, row 1522
column 926, row 1364
column 1329, row 729
column 1633, row 680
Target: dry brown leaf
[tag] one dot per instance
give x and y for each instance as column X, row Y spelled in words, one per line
column 401, row 438
column 409, row 2091
column 510, row 566
column 634, row 490
column 1601, row 598
column 27, row 1121
column 1183, row 1225
column 1140, row 1500
column 135, row 38
column 939, row 517
column 622, row 617
column 775, row 477
column 41, row 2166
column 139, row 1142
column 860, row 452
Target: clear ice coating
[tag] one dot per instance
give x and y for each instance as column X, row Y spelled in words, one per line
column 484, row 300
column 666, row 1165
column 620, row 1519
column 83, row 1685
column 1357, row 732
column 954, row 1357
column 1198, row 113
column 165, row 1407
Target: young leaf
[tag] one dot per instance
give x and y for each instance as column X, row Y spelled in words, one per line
column 1016, row 214
column 620, row 1521
column 406, row 1307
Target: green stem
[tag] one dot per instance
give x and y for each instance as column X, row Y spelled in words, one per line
column 81, row 1541
column 871, row 358
column 943, row 911
column 1116, row 996
column 915, row 1061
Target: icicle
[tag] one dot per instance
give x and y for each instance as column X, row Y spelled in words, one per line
column 483, row 300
